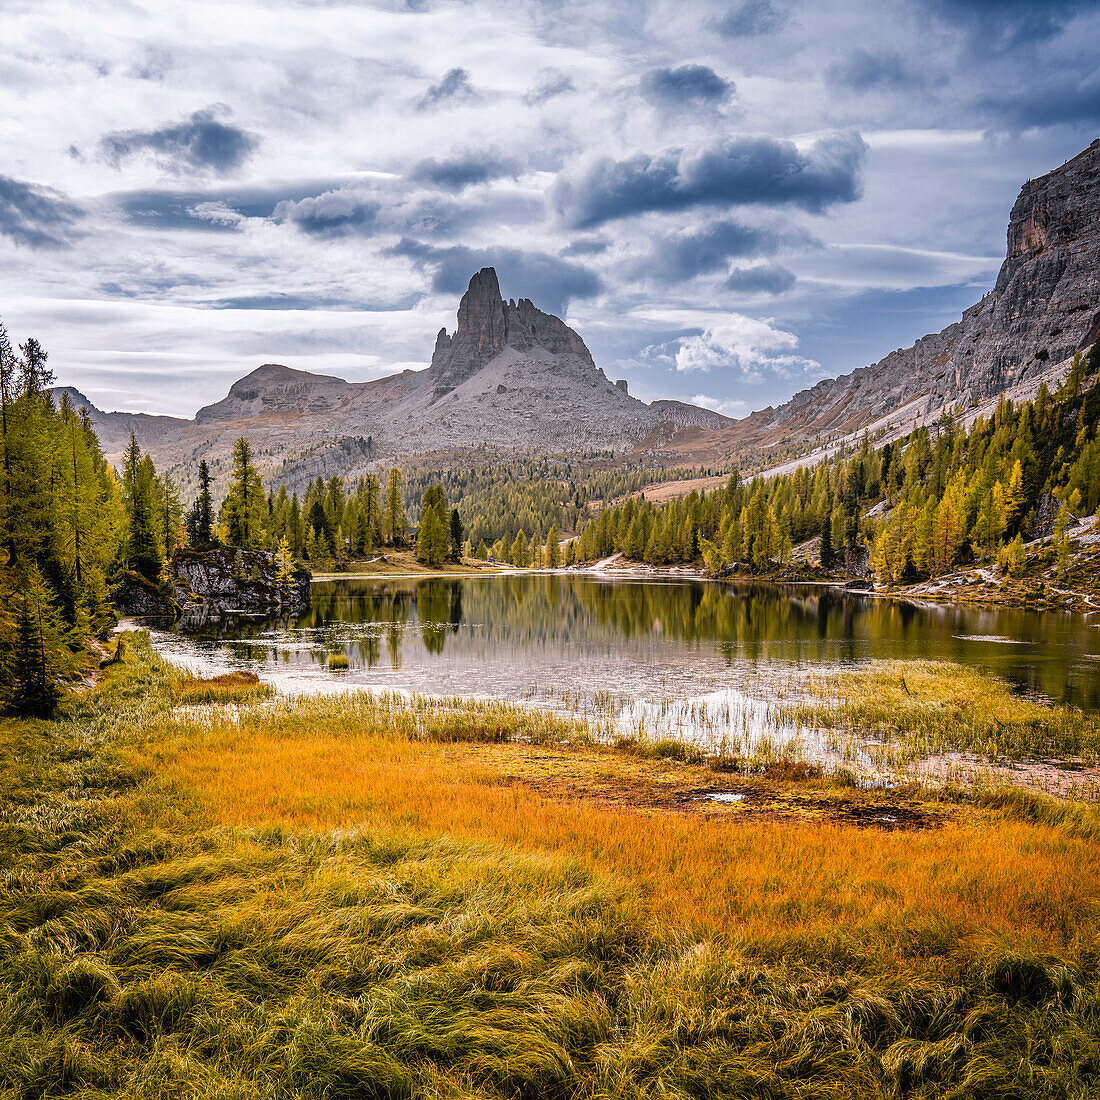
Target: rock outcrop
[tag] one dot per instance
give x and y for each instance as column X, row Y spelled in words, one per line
column 487, row 325
column 216, row 582
column 1044, row 307
column 243, row 581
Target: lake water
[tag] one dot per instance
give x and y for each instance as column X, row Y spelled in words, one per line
column 634, row 649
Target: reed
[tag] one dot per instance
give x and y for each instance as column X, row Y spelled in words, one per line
column 915, row 709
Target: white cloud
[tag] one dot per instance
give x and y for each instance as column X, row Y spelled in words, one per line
column 746, row 348
column 728, row 406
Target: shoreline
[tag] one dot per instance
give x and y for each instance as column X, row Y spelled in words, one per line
column 1067, row 600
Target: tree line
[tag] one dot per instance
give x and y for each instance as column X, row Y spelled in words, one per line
column 942, row 497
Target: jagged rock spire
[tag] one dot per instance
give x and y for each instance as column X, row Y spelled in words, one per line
column 487, row 325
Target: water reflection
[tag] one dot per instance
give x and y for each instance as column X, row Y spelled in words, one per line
column 537, row 637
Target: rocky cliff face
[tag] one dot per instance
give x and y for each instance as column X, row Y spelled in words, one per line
column 1044, row 307
column 245, row 581
column 487, row 325
column 215, row 582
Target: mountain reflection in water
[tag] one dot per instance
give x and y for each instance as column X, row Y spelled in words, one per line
column 545, row 637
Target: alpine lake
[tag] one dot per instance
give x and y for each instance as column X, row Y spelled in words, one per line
column 709, row 663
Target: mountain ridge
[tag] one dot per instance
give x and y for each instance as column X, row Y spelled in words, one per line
column 514, row 378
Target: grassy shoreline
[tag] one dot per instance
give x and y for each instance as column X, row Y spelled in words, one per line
column 348, row 897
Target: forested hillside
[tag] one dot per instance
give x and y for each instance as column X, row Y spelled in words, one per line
column 60, row 533
column 941, row 497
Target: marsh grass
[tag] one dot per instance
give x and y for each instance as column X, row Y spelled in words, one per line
column 230, row 687
column 155, row 944
column 917, row 709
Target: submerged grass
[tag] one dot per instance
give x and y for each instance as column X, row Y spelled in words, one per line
column 915, row 709
column 327, row 901
column 230, row 687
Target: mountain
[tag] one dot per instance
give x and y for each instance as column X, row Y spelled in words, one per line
column 509, row 378
column 513, row 378
column 114, row 428
column 1044, row 307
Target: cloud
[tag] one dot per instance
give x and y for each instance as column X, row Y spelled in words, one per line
column 686, row 86
column 551, row 83
column 214, row 208
column 1064, row 98
column 862, row 69
column 738, row 170
column 331, row 214
column 752, row 18
column 701, row 251
column 1003, row 25
column 199, row 144
column 587, row 246
column 280, row 300
column 468, row 170
column 455, row 87
column 746, row 347
column 38, row 217
column 727, row 406
column 550, row 282
column 760, row 279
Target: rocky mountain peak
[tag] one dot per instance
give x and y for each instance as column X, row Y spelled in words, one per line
column 487, row 325
column 274, row 388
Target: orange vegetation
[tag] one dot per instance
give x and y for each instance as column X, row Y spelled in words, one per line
column 815, row 886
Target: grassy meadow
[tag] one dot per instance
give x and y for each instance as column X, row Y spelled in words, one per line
column 236, row 895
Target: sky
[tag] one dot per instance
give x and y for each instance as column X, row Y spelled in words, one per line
column 729, row 200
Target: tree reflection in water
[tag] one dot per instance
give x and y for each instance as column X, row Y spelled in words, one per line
column 560, row 622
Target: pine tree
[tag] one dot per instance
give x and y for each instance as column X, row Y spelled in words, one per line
column 41, row 656
column 826, row 556
column 433, row 540
column 35, row 377
column 456, row 535
column 394, row 523
column 200, row 518
column 518, row 555
column 142, row 542
column 553, row 548
column 244, row 510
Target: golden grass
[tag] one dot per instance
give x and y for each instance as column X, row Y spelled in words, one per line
column 918, row 708
column 230, row 687
column 824, row 889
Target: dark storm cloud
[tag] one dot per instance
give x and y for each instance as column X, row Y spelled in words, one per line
column 996, row 25
column 587, row 246
column 37, row 217
column 686, row 86
column 750, row 19
column 761, row 279
column 551, row 83
column 708, row 249
column 455, row 87
column 740, row 170
column 862, row 69
column 550, row 282
column 198, row 144
column 172, row 209
column 456, row 173
column 1065, row 98
column 332, row 214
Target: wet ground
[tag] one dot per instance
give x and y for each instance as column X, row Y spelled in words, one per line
column 621, row 781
